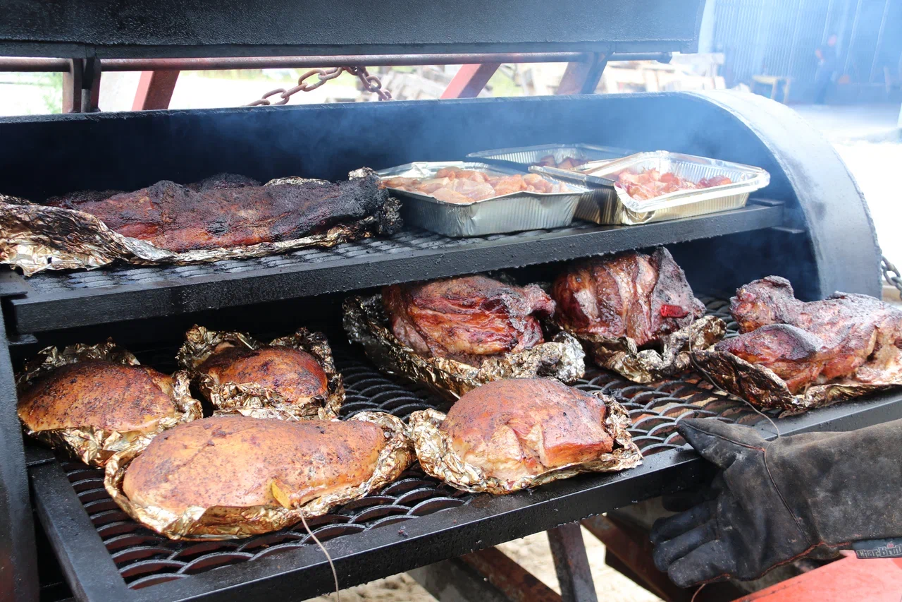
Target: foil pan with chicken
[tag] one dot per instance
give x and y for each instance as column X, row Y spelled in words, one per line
column 223, row 217
column 290, row 378
column 229, row 477
column 519, row 433
column 635, row 314
column 458, row 333
column 794, row 356
column 93, row 401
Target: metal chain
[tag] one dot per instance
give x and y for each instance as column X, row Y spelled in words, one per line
column 371, row 83
column 891, row 273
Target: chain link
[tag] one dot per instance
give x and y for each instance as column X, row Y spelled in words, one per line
column 891, row 273
column 371, row 83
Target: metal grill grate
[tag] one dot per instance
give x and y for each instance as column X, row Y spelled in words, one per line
column 145, row 558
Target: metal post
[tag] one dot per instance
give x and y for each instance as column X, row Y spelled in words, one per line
column 582, row 77
column 18, row 560
column 572, row 564
column 470, row 80
column 90, row 90
column 155, row 90
column 72, row 86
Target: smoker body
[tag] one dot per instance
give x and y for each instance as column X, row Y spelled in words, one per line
column 810, row 225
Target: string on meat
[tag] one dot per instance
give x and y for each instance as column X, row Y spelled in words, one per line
column 328, row 558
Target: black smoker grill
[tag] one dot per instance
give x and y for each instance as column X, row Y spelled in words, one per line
column 810, row 225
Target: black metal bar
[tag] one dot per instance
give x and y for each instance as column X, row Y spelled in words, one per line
column 86, row 563
column 211, row 289
column 661, row 57
column 572, row 564
column 18, row 562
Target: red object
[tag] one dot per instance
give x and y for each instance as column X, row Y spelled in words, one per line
column 673, row 311
column 470, row 80
column 878, row 580
column 155, row 90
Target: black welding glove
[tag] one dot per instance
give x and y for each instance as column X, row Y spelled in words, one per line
column 773, row 502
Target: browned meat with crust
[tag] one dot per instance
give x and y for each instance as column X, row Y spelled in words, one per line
column 522, row 427
column 632, row 294
column 294, row 374
column 854, row 331
column 98, row 394
column 229, row 210
column 467, row 319
column 234, row 461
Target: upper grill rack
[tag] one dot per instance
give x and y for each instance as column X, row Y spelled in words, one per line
column 144, row 558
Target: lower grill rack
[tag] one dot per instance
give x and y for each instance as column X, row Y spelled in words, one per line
column 145, row 560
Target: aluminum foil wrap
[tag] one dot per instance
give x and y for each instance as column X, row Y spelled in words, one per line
column 219, row 522
column 623, row 356
column 92, row 445
column 438, row 458
column 36, row 238
column 255, row 400
column 764, row 389
column 365, row 322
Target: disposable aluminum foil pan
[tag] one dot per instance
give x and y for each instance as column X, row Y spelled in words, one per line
column 365, row 322
column 764, row 389
column 35, row 238
column 252, row 399
column 526, row 156
column 610, row 205
column 513, row 212
column 438, row 458
column 91, row 444
column 230, row 522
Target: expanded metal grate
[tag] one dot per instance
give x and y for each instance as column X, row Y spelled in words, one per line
column 145, row 558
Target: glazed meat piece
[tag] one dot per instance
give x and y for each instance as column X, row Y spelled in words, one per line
column 524, row 427
column 294, row 374
column 229, row 210
column 234, row 461
column 796, row 356
column 643, row 297
column 467, row 319
column 860, row 336
column 98, row 394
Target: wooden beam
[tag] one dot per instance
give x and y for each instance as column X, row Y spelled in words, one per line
column 470, row 80
column 155, row 90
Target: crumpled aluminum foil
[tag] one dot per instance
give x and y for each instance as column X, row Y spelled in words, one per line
column 255, row 400
column 623, row 356
column 92, row 445
column 764, row 389
column 438, row 458
column 366, row 323
column 36, row 238
column 218, row 522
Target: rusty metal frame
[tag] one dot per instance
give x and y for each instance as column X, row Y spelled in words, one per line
column 155, row 90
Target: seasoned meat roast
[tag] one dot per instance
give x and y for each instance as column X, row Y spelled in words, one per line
column 845, row 336
column 633, row 295
column 523, row 427
column 229, row 210
column 294, row 374
column 233, row 461
column 98, row 394
column 467, row 319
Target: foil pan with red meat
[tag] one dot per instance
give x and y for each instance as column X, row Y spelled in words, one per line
column 458, row 198
column 290, row 378
column 224, row 217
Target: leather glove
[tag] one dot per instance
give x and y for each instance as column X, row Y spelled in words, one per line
column 773, row 502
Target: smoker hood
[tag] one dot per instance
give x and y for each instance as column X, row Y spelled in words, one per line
column 199, row 28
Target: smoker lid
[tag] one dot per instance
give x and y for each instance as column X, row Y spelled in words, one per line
column 200, row 28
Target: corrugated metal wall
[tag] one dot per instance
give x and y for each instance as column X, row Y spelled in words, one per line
column 779, row 37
